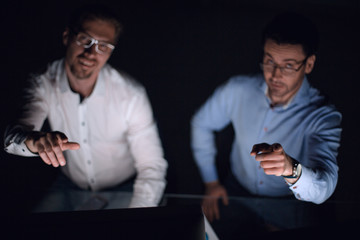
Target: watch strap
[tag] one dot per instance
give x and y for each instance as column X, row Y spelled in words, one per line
column 295, row 171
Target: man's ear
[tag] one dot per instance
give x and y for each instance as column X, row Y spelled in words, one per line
column 66, row 36
column 309, row 65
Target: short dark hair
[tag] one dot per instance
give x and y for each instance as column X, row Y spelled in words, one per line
column 292, row 28
column 94, row 12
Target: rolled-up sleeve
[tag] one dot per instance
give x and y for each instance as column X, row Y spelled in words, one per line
column 32, row 119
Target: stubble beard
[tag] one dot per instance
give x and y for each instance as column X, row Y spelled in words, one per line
column 79, row 74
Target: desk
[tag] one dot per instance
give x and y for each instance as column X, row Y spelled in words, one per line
column 280, row 218
column 243, row 218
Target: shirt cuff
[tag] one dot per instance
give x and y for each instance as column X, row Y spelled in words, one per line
column 209, row 173
column 138, row 201
column 301, row 187
column 20, row 149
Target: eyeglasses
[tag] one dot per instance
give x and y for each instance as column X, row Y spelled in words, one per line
column 84, row 40
column 287, row 70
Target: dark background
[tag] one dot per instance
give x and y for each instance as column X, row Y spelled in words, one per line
column 180, row 51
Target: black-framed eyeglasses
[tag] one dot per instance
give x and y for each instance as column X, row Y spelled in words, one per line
column 285, row 70
column 84, row 40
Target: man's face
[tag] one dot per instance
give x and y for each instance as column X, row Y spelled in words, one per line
column 291, row 65
column 85, row 63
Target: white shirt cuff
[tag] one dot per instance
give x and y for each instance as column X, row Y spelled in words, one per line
column 20, row 149
column 301, row 187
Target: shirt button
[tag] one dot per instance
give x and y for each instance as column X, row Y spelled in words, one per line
column 261, row 182
column 265, row 129
column 84, row 141
column 82, row 123
column 89, row 162
column 92, row 180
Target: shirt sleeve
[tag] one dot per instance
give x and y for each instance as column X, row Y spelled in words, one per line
column 34, row 113
column 212, row 116
column 319, row 169
column 19, row 148
column 146, row 148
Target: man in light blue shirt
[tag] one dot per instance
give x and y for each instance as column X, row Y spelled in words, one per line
column 286, row 134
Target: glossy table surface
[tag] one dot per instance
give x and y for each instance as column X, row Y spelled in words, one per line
column 244, row 217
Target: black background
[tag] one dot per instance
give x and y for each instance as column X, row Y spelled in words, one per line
column 180, row 51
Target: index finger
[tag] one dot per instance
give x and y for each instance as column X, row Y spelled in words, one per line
column 64, row 146
column 64, row 143
column 268, row 156
column 70, row 146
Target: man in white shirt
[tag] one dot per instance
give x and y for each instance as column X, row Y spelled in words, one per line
column 103, row 131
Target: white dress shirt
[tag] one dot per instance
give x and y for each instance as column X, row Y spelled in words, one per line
column 114, row 126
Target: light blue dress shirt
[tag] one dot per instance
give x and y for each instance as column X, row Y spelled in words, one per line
column 308, row 128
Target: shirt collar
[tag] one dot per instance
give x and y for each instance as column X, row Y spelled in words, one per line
column 302, row 96
column 65, row 87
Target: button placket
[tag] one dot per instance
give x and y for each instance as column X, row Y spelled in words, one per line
column 265, row 126
column 84, row 136
column 260, row 186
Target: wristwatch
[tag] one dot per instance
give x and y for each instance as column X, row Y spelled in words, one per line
column 296, row 170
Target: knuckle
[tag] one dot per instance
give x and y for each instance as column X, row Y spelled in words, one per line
column 48, row 149
column 40, row 148
column 56, row 148
column 48, row 135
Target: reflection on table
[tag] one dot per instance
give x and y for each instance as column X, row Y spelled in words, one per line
column 243, row 217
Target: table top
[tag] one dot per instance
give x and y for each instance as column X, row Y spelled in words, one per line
column 249, row 216
column 244, row 216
